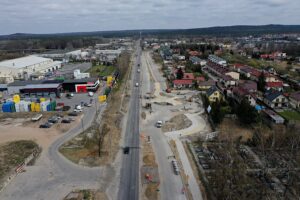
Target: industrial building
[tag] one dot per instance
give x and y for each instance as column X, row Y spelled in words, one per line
column 81, row 85
column 39, row 88
column 25, row 67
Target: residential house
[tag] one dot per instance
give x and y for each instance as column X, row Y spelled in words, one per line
column 278, row 86
column 188, row 76
column 234, row 75
column 214, row 94
column 197, row 61
column 295, row 100
column 248, row 85
column 276, row 100
column 206, row 84
column 182, row 83
column 240, row 93
column 217, row 60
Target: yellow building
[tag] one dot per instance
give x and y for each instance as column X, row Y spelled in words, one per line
column 213, row 94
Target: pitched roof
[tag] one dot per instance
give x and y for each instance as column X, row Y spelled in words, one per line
column 207, row 83
column 274, row 84
column 295, row 95
column 211, row 90
column 272, row 96
column 188, row 76
column 183, row 82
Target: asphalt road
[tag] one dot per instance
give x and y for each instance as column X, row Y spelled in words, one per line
column 53, row 176
column 129, row 182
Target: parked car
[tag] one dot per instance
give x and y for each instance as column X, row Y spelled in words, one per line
column 66, row 121
column 91, row 94
column 77, row 110
column 73, row 114
column 53, row 119
column 46, row 125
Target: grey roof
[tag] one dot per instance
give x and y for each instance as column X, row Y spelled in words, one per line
column 207, row 83
column 24, row 83
column 211, row 90
column 3, row 85
column 51, row 85
column 81, row 80
column 23, row 62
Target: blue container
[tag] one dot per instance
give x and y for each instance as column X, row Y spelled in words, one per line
column 9, row 107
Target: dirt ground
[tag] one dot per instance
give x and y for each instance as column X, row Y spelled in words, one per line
column 231, row 130
column 86, row 195
column 176, row 123
column 150, row 190
column 13, row 154
column 22, row 128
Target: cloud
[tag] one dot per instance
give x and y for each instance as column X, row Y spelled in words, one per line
column 44, row 16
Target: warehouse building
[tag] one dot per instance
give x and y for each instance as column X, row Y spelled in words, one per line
column 39, row 88
column 25, row 67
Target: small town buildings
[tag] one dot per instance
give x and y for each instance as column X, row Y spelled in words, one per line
column 214, row 94
column 206, row 84
column 295, row 100
column 274, row 86
column 272, row 117
column 234, row 75
column 197, row 61
column 182, row 83
column 79, row 75
column 240, row 93
column 25, row 67
column 276, row 100
column 217, row 60
column 248, row 85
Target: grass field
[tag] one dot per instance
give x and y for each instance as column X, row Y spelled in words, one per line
column 290, row 115
column 13, row 154
column 101, row 70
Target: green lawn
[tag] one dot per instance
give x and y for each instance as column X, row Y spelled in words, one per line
column 291, row 115
column 101, row 70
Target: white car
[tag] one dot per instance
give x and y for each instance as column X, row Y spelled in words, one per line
column 77, row 110
column 159, row 124
column 136, row 84
column 91, row 94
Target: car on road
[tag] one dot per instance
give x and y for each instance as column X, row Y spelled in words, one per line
column 136, row 84
column 46, row 125
column 159, row 124
column 138, row 70
column 175, row 167
column 126, row 150
column 87, row 104
column 91, row 94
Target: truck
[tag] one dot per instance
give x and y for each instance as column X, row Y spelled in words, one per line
column 36, row 117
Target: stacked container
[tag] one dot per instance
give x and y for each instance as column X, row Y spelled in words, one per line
column 9, row 107
column 44, row 105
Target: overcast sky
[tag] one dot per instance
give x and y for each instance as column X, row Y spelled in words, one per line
column 56, row 16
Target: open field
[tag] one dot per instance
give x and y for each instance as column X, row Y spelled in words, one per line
column 290, row 115
column 101, row 70
column 13, row 154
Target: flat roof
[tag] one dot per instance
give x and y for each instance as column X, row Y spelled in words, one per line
column 81, row 80
column 23, row 62
column 53, row 85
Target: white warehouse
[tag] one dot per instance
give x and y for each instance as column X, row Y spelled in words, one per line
column 23, row 68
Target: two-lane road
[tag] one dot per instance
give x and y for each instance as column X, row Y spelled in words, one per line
column 129, row 183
